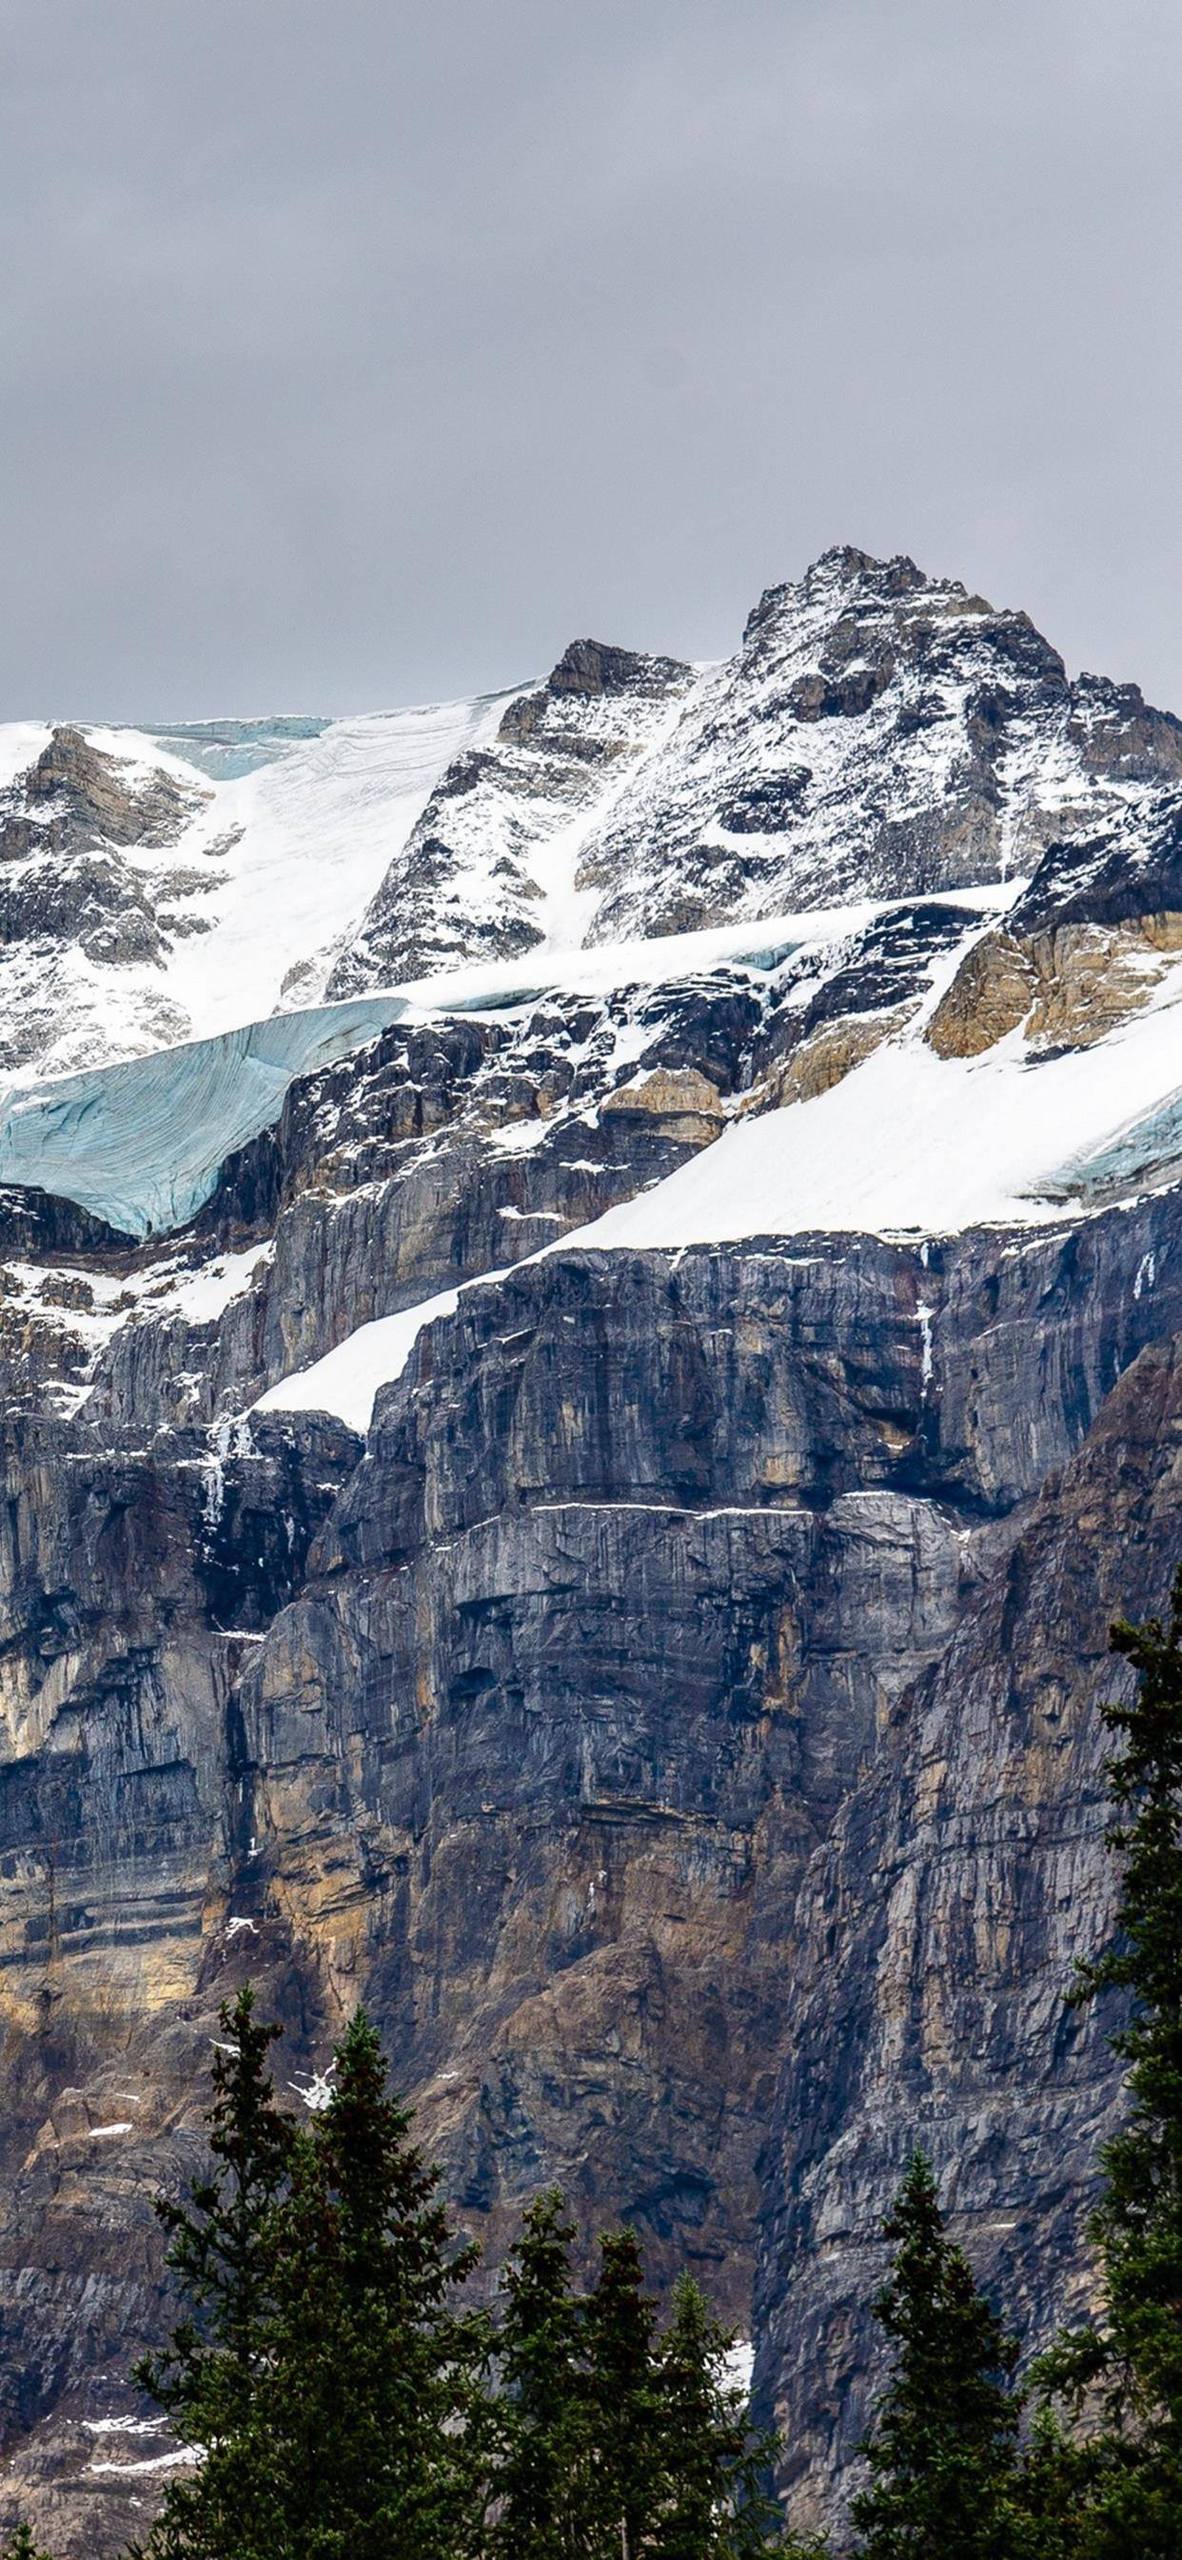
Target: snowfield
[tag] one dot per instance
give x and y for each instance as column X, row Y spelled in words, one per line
column 912, row 1143
column 319, row 828
column 286, row 856
column 907, row 1144
column 140, row 1142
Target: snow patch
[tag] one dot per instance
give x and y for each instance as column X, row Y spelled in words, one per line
column 124, row 2426
column 346, row 1381
column 316, row 2091
column 738, row 2365
column 185, row 2456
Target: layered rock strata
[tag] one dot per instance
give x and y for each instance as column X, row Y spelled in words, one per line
column 963, row 1882
column 676, row 1715
column 523, row 1724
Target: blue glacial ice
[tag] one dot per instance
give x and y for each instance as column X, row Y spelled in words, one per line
column 141, row 1143
column 1146, row 1151
column 227, row 749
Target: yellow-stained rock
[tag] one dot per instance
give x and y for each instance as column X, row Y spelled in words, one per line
column 682, row 1098
column 990, row 995
column 824, row 1060
column 1090, row 977
column 1067, row 989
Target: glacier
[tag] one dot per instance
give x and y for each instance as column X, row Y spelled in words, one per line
column 139, row 1144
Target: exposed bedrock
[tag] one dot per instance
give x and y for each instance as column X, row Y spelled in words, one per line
column 641, row 1556
column 466, row 883
column 524, row 1726
column 134, row 1584
column 940, row 1925
column 76, row 797
column 1087, row 944
column 877, row 732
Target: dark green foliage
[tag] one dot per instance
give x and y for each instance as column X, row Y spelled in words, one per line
column 943, row 2452
column 623, row 2400
column 221, row 2252
column 320, row 2369
column 343, row 2405
column 542, row 2479
column 613, row 2441
column 1127, row 2370
column 711, row 2504
column 373, row 2402
column 23, row 2547
column 1053, row 2493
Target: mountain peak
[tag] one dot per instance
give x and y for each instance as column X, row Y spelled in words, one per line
column 594, row 667
column 843, row 563
column 843, row 579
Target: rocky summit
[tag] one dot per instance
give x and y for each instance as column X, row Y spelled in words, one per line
column 590, row 1301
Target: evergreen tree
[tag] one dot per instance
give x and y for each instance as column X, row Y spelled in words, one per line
column 942, row 2453
column 624, row 2406
column 1129, row 2366
column 23, row 2547
column 712, row 2505
column 374, row 2406
column 221, row 2253
column 1053, row 2493
column 540, row 2481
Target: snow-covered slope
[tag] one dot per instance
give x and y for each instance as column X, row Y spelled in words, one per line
column 912, row 1143
column 877, row 732
column 906, row 1143
column 139, row 1142
column 120, row 938
column 492, row 865
column 959, row 863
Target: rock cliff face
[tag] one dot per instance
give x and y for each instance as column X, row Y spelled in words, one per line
column 963, row 1880
column 524, row 1725
column 659, row 1677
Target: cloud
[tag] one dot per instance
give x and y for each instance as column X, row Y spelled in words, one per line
column 366, row 353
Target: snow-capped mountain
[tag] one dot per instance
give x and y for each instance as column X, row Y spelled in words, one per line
column 159, row 889
column 573, row 1267
column 878, row 734
column 881, row 739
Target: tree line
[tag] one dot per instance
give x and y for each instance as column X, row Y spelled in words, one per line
column 344, row 2400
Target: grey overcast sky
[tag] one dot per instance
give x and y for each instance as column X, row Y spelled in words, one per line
column 364, row 351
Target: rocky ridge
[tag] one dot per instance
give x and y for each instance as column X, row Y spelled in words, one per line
column 471, row 881
column 674, row 1709
column 878, row 734
column 72, row 889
